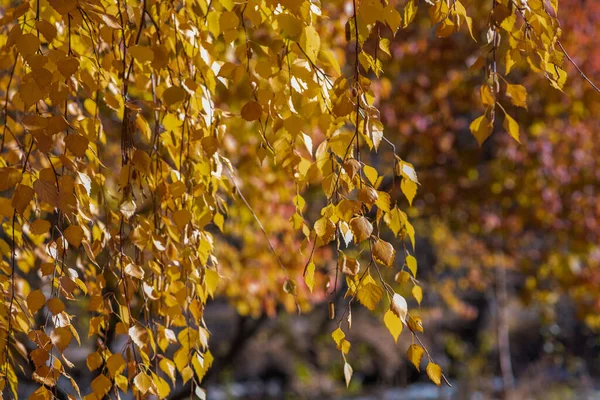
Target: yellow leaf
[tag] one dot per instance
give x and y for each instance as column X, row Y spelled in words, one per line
column 369, row 294
column 212, row 280
column 161, row 386
column 338, row 335
column 142, row 161
column 251, row 111
column 168, row 367
column 415, row 354
column 434, row 372
column 127, row 208
column 409, row 188
column 21, row 198
column 310, row 42
column 410, row 12
column 229, row 20
column 101, row 386
column 61, row 338
column 344, row 346
column 40, row 227
column 517, row 94
column 348, row 266
column 384, row 252
column 47, row 192
column 173, row 95
column 74, row 235
column 139, row 335
column 64, row 7
column 383, row 201
column 28, row 44
column 182, row 218
column 46, row 29
column 366, row 194
column 361, row 229
column 402, row 277
column 290, row 26
column 325, row 229
column 142, row 54
column 415, row 323
column 417, row 293
column 393, row 324
column 142, row 382
column 77, row 144
column 68, row 66
column 309, row 277
column 115, row 364
column 371, row 174
column 411, row 263
column 30, row 93
column 392, row 18
column 512, row 127
column 9, row 177
column 481, row 128
column 35, row 300
column 55, row 306
column 93, row 361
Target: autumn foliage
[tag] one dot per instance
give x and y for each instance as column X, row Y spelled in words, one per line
column 155, row 154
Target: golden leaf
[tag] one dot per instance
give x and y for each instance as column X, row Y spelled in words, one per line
column 182, row 218
column 28, row 44
column 417, row 293
column 115, row 364
column 309, row 276
column 168, row 367
column 93, row 361
column 361, row 228
column 77, row 144
column 517, row 94
column 35, row 301
column 21, row 198
column 310, row 42
column 61, row 338
column 251, row 111
column 409, row 188
column 9, row 177
column 512, row 127
column 369, row 294
column 142, row 54
column 55, row 305
column 434, row 372
column 415, row 355
column 481, row 128
column 411, row 263
column 101, row 386
column 173, row 95
column 384, row 252
column 393, row 324
column 74, row 235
